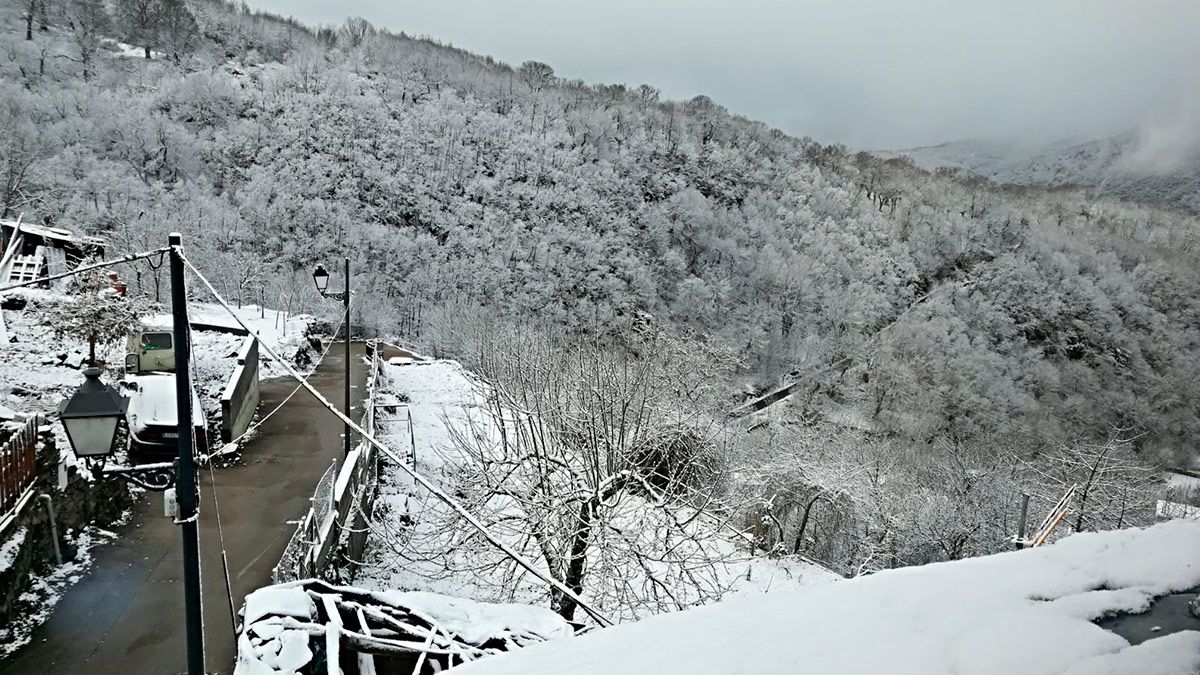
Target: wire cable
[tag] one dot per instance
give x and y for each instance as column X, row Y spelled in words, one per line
column 133, row 257
column 224, row 554
column 207, row 459
column 747, row 408
column 420, row 479
column 224, row 449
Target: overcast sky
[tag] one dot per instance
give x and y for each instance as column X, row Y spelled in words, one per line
column 869, row 73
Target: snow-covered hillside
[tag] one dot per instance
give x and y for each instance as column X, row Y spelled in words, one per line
column 1118, row 166
column 1028, row 612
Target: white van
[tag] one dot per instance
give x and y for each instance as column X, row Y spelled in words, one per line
column 150, row 349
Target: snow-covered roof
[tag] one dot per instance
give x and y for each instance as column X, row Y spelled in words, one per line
column 1027, row 612
column 54, row 233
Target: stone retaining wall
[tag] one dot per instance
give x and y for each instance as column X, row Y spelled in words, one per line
column 78, row 503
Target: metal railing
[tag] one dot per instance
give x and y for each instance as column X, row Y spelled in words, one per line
column 343, row 492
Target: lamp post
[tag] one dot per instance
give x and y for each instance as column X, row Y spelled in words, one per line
column 321, row 279
column 92, row 419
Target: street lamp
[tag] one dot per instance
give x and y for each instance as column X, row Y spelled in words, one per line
column 92, row 417
column 321, row 279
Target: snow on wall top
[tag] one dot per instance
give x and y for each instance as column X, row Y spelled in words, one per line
column 1025, row 612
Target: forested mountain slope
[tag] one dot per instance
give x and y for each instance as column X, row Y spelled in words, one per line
column 933, row 308
column 1137, row 166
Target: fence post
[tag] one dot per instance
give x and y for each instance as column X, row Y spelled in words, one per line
column 412, row 437
column 1021, row 523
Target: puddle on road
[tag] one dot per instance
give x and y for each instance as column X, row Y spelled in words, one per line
column 1169, row 614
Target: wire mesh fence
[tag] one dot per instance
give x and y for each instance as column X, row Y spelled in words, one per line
column 322, row 499
column 296, row 560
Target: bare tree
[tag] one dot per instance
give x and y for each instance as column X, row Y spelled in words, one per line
column 18, row 152
column 97, row 314
column 88, row 21
column 139, row 21
column 1115, row 487
column 355, row 31
column 536, row 75
column 178, row 32
column 599, row 461
column 31, row 9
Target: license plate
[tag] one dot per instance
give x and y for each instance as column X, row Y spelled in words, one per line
column 170, row 434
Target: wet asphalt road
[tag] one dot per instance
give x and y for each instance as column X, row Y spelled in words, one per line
column 126, row 616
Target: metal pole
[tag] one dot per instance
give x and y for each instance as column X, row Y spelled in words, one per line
column 346, row 306
column 1022, row 520
column 45, row 498
column 185, row 487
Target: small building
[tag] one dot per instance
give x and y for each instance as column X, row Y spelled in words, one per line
column 32, row 251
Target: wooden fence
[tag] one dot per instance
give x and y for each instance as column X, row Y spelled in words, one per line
column 339, row 503
column 18, row 466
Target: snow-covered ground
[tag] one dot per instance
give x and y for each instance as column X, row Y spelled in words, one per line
column 444, row 399
column 1027, row 612
column 46, row 589
column 214, row 353
column 1183, row 488
column 34, row 378
column 437, row 396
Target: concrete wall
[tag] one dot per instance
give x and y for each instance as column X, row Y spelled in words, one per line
column 240, row 398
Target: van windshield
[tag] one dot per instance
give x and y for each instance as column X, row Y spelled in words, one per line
column 153, row 341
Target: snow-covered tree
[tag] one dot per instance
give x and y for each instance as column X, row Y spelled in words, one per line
column 597, row 462
column 89, row 22
column 95, row 312
column 139, row 20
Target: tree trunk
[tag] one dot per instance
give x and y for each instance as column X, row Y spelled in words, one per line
column 804, row 523
column 576, row 561
column 92, row 352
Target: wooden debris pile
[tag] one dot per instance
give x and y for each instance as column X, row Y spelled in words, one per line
column 312, row 627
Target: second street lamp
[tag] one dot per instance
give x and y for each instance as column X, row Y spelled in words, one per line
column 321, row 279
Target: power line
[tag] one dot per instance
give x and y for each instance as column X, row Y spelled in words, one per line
column 207, row 459
column 787, row 390
column 133, row 257
column 424, row 482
